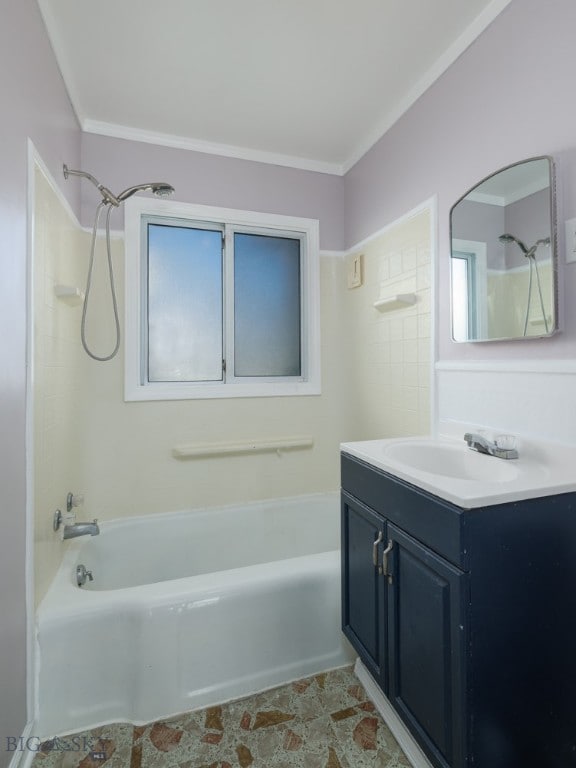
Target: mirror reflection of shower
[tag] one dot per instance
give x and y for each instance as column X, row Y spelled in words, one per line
column 109, row 201
column 530, row 254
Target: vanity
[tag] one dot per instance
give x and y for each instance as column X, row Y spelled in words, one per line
column 458, row 580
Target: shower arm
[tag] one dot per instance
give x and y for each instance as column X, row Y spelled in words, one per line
column 109, row 198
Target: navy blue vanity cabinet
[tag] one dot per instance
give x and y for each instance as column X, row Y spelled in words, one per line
column 363, row 589
column 427, row 598
column 403, row 610
column 466, row 618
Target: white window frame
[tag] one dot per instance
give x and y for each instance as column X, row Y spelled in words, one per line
column 478, row 250
column 136, row 388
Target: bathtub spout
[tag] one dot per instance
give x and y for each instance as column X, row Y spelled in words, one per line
column 81, row 529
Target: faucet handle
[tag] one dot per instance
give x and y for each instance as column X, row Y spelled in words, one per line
column 83, row 574
column 505, row 442
column 505, row 447
column 57, row 520
column 74, row 500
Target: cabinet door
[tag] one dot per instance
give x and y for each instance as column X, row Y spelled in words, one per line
column 426, row 640
column 363, row 587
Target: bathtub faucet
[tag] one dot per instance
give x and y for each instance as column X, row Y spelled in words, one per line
column 81, row 529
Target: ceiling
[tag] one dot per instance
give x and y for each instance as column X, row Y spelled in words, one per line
column 513, row 183
column 305, row 83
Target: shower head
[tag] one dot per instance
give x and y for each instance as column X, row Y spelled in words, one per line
column 506, row 238
column 528, row 252
column 162, row 190
column 159, row 188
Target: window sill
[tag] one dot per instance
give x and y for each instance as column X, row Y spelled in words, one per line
column 151, row 392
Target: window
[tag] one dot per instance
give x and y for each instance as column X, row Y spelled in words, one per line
column 219, row 303
column 463, row 292
column 468, row 289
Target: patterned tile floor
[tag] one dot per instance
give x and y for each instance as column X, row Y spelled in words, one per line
column 325, row 721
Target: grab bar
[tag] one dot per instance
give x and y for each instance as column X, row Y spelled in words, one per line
column 203, row 450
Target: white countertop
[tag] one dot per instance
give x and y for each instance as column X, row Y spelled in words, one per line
column 447, row 468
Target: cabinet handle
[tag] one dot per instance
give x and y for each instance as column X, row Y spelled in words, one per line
column 385, row 560
column 375, row 548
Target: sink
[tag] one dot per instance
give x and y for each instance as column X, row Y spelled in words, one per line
column 449, row 460
column 448, row 468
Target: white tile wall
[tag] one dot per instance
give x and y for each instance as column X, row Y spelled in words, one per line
column 530, row 398
column 119, row 455
column 60, row 258
column 388, row 354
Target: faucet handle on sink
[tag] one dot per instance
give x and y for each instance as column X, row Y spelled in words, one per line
column 506, row 442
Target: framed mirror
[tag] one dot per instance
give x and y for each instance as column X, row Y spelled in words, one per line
column 503, row 265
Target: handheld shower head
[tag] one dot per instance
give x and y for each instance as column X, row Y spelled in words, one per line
column 162, row 190
column 528, row 252
column 506, row 238
column 159, row 188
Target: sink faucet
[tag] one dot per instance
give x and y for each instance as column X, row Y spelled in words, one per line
column 482, row 445
column 81, row 529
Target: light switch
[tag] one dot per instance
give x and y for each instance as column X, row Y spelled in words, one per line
column 570, row 240
column 355, row 270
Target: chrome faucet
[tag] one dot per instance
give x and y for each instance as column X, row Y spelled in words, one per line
column 81, row 529
column 483, row 445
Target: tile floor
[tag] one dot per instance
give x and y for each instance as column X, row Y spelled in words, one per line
column 325, row 721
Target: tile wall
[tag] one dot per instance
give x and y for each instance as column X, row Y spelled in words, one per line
column 389, row 352
column 375, row 383
column 60, row 258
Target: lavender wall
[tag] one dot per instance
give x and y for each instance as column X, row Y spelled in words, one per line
column 508, row 97
column 528, row 219
column 213, row 180
column 35, row 105
column 481, row 222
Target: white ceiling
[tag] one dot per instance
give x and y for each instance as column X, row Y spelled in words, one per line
column 308, row 83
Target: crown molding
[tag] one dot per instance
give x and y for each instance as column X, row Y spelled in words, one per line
column 209, row 147
column 113, row 130
column 508, row 199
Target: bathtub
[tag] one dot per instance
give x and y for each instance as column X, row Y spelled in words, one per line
column 189, row 609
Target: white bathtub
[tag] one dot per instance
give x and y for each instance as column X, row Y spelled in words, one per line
column 190, row 609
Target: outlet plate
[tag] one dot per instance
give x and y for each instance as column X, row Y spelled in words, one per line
column 570, row 240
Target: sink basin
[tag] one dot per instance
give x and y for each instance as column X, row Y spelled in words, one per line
column 447, row 468
column 454, row 461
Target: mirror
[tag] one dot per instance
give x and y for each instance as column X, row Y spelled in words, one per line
column 503, row 256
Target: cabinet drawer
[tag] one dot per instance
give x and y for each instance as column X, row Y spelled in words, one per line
column 438, row 523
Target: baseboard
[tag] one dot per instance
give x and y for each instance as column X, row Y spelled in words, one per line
column 22, row 758
column 411, row 749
